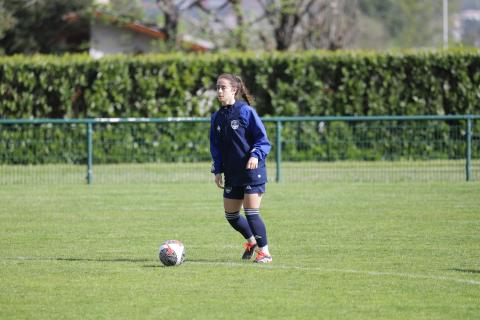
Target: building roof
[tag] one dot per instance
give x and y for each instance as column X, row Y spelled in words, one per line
column 138, row 27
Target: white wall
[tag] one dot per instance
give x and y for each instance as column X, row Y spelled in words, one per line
column 109, row 39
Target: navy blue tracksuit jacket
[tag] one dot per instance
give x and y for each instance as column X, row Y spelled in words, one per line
column 236, row 134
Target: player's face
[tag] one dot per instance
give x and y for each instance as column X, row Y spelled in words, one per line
column 225, row 92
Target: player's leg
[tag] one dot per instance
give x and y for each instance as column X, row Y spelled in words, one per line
column 233, row 201
column 251, row 203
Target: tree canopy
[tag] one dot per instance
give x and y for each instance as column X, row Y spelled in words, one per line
column 38, row 26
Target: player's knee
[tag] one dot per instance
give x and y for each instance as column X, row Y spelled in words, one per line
column 231, row 216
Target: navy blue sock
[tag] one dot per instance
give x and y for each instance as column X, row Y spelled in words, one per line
column 257, row 225
column 239, row 223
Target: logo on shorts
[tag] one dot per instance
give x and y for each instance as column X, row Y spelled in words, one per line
column 248, row 188
column 228, row 190
column 235, row 124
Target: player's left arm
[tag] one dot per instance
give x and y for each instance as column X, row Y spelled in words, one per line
column 261, row 145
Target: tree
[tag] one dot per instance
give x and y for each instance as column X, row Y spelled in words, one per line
column 221, row 22
column 127, row 9
column 310, row 24
column 239, row 32
column 407, row 23
column 37, row 26
column 171, row 18
column 7, row 21
column 278, row 24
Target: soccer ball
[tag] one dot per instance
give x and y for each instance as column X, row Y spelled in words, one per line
column 172, row 253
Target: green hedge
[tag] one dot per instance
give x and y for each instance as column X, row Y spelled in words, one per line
column 307, row 83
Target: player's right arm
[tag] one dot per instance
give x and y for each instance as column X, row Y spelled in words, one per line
column 216, row 154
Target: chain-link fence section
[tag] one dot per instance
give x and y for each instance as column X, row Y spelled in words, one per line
column 424, row 148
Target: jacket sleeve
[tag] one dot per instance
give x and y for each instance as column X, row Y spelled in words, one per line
column 261, row 146
column 214, row 149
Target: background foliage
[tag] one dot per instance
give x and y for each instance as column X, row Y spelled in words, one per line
column 43, row 26
column 307, row 83
column 39, row 26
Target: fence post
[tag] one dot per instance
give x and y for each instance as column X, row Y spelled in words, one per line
column 278, row 149
column 468, row 165
column 89, row 152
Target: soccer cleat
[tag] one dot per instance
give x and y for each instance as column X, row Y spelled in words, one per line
column 249, row 250
column 262, row 257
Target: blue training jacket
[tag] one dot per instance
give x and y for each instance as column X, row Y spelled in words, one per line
column 236, row 134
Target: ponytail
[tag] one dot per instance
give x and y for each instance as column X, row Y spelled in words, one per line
column 242, row 91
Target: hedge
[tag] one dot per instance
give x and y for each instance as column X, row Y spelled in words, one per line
column 304, row 83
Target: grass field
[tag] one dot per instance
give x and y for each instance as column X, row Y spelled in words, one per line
column 341, row 251
column 314, row 171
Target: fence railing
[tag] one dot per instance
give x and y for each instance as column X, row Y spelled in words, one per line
column 307, row 148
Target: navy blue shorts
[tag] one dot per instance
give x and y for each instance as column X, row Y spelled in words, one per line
column 239, row 192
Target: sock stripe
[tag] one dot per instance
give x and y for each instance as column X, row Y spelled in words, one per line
column 232, row 215
column 251, row 212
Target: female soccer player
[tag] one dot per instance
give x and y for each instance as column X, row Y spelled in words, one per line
column 239, row 145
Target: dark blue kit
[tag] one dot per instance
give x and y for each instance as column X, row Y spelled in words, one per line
column 236, row 134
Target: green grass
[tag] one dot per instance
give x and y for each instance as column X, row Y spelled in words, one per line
column 336, row 171
column 341, row 250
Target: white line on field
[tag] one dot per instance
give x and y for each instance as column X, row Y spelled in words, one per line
column 302, row 268
column 318, row 269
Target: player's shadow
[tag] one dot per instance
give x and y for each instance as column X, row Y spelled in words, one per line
column 159, row 265
column 103, row 260
column 465, row 270
column 127, row 260
column 198, row 261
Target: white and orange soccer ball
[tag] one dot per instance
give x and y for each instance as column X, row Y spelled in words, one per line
column 172, row 253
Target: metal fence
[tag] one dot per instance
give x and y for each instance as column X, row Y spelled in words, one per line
column 131, row 150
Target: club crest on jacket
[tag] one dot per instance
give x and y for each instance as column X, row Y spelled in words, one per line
column 235, row 124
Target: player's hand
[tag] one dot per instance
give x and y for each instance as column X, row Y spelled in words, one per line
column 219, row 180
column 252, row 163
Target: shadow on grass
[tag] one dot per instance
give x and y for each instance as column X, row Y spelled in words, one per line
column 465, row 270
column 193, row 261
column 73, row 259
column 158, row 264
column 104, row 260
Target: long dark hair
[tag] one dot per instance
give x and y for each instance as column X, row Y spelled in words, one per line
column 237, row 82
